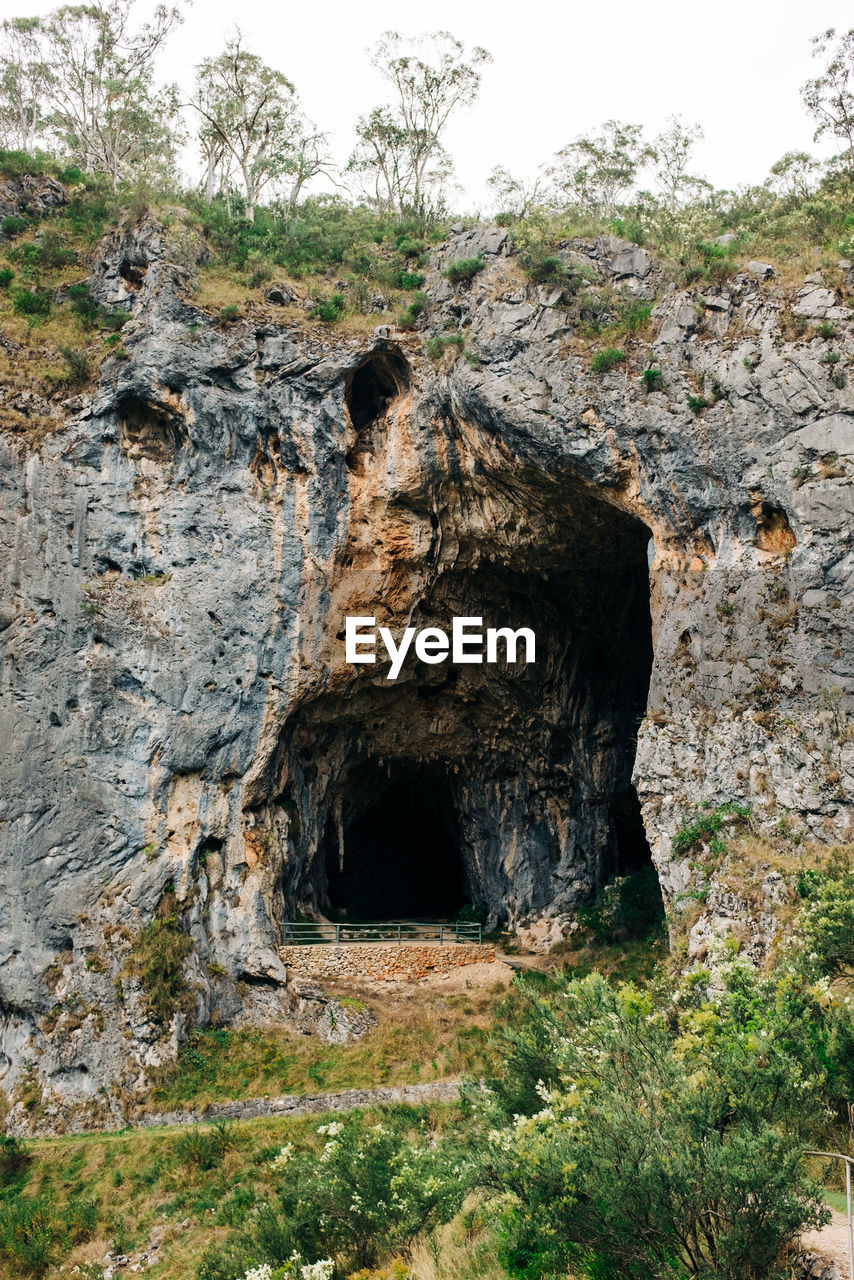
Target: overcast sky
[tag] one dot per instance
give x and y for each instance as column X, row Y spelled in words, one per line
column 734, row 66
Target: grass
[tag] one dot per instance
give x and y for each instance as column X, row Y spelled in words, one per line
column 187, row 1186
column 421, row 1035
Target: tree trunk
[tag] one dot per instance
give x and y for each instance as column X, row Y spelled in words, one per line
column 210, row 178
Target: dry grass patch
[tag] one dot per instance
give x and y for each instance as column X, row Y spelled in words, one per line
column 422, row 1034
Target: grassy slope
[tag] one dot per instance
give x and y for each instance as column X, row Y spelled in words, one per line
column 422, row 1034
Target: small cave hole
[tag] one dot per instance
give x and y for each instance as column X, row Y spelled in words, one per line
column 150, row 430
column 396, row 855
column 133, row 273
column 774, row 532
column 378, row 381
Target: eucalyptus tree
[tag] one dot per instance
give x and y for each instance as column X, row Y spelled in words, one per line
column 23, row 84
column 100, row 98
column 250, row 121
column 671, row 154
column 829, row 98
column 593, row 173
column 399, row 156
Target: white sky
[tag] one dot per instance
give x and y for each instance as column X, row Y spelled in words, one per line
column 733, row 66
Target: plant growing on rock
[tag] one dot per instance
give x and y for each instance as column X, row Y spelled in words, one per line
column 462, row 269
column 157, row 961
column 608, row 359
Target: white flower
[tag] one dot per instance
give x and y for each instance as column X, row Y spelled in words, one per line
column 331, row 1130
column 263, row 1272
column 320, row 1270
column 285, row 1153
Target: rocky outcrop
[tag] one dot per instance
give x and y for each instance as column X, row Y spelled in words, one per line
column 179, row 560
column 30, row 196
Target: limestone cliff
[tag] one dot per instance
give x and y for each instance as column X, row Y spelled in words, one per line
column 179, row 557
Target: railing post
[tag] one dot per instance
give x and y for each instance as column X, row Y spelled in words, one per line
column 337, row 933
column 399, row 930
column 458, row 931
column 441, row 935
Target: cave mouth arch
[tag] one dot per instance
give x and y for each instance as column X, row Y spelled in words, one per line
column 525, row 769
column 380, row 378
column 372, row 388
column 393, row 852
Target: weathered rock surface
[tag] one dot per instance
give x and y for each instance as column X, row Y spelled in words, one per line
column 178, row 561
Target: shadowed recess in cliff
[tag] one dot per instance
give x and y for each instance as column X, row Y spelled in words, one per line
column 524, row 769
column 370, row 391
column 394, row 852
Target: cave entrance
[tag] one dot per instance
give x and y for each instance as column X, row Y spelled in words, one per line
column 505, row 785
column 373, row 387
column 394, row 851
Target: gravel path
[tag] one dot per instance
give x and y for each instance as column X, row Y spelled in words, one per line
column 296, row 1104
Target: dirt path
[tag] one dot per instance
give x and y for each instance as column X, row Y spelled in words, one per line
column 296, row 1104
column 830, row 1242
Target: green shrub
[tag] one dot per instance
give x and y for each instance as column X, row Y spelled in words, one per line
column 77, row 365
column 626, row 907
column 113, row 320
column 630, row 230
column 438, row 344
column 157, row 961
column 330, row 310
column 546, row 270
column 15, row 164
column 705, row 825
column 14, row 1157
column 407, row 318
column 464, row 269
column 83, row 304
column 658, row 1142
column 409, row 280
column 652, row 379
column 91, row 313
column 13, row 226
column 35, row 1233
column 70, row 174
column 636, row 317
column 31, row 303
column 827, row 919
column 205, row 1148
column 7, row 275
column 409, row 248
column 825, row 329
column 607, row 359
column 372, row 1190
column 697, row 403
column 230, row 312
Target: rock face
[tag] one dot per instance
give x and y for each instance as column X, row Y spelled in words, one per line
column 179, row 561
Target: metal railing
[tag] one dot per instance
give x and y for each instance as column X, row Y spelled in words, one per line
column 305, row 932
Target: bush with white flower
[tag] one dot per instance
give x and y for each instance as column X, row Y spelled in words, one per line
column 294, row 1269
column 661, row 1137
column 370, row 1189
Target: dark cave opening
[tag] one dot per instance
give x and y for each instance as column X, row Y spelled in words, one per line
column 372, row 388
column 631, row 847
column 507, row 786
column 395, row 853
